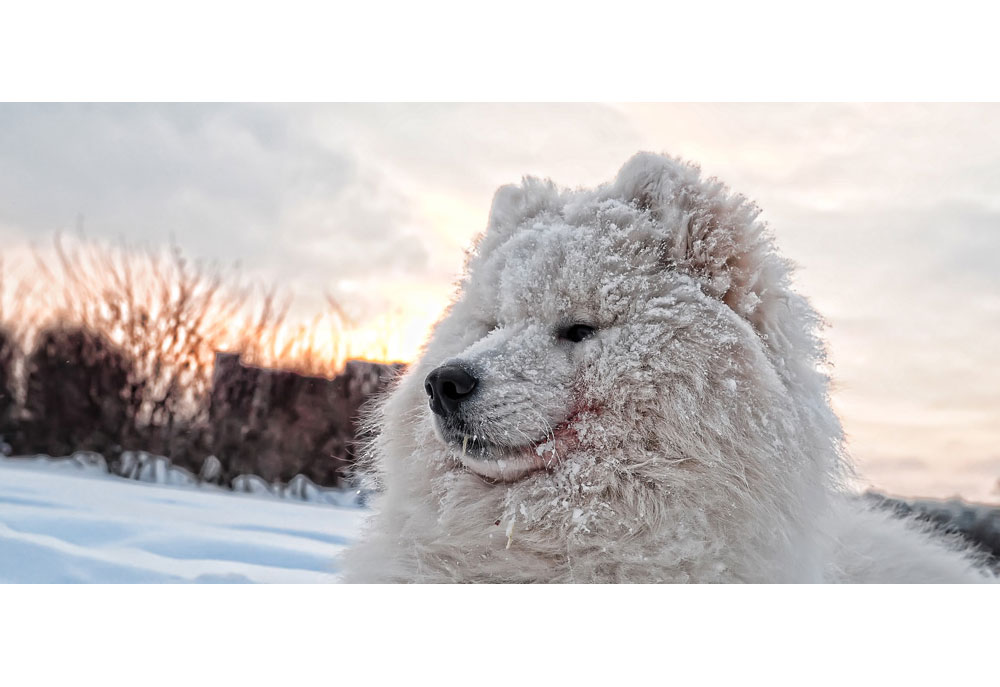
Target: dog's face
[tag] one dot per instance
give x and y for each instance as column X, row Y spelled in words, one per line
column 625, row 373
column 564, row 331
column 630, row 328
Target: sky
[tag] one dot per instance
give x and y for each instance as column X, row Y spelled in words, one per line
column 891, row 211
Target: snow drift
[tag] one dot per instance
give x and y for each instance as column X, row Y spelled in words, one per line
column 68, row 520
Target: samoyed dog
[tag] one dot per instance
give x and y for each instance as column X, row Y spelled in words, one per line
column 627, row 389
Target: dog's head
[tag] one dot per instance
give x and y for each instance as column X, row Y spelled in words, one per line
column 649, row 318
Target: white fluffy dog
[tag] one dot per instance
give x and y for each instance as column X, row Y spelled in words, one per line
column 627, row 390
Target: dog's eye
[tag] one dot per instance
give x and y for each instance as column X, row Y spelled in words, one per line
column 577, row 332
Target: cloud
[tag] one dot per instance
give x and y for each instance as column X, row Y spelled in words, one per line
column 228, row 182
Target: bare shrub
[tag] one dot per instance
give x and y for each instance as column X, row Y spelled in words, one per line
column 278, row 424
column 143, row 326
column 7, row 398
column 78, row 395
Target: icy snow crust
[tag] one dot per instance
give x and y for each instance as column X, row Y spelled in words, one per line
column 689, row 439
column 70, row 521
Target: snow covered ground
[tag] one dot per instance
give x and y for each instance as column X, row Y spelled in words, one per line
column 62, row 522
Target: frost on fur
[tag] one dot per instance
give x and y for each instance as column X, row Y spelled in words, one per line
column 637, row 395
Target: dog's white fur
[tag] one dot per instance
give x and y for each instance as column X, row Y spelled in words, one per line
column 689, row 440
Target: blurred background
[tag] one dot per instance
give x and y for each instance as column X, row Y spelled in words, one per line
column 141, row 240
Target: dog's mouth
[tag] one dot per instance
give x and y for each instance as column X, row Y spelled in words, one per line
column 505, row 463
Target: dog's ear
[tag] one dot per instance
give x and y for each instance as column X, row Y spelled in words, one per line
column 514, row 206
column 708, row 231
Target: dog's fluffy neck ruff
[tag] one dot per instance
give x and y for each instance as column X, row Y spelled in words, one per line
column 616, row 512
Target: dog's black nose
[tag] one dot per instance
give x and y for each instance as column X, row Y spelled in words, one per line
column 448, row 386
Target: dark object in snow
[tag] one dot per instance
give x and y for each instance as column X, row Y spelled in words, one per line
column 978, row 523
column 7, row 400
column 279, row 424
column 76, row 389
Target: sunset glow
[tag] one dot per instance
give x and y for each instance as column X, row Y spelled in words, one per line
column 890, row 211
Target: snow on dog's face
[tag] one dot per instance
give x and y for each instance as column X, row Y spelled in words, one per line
column 509, row 389
column 605, row 323
column 626, row 382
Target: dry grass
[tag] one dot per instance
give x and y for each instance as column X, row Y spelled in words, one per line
column 167, row 312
